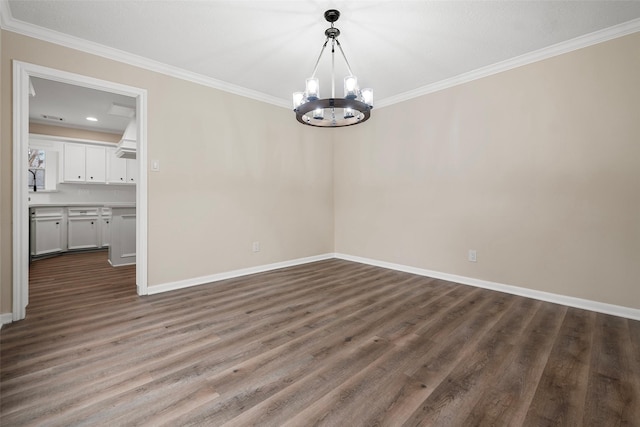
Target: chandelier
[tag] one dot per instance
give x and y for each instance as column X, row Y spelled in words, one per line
column 354, row 108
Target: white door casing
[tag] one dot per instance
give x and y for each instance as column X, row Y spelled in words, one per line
column 22, row 72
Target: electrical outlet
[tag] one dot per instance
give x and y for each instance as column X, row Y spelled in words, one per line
column 255, row 247
column 472, row 255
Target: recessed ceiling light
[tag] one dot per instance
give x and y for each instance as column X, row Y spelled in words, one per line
column 92, row 119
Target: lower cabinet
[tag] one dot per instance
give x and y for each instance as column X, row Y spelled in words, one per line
column 105, row 227
column 47, row 231
column 60, row 229
column 83, row 233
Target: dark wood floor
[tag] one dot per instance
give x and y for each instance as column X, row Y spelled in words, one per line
column 330, row 343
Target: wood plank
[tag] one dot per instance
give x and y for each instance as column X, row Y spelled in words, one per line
column 329, row 343
column 612, row 393
column 560, row 397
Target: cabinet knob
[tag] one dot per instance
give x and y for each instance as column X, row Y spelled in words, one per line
column 57, row 223
column 91, row 222
column 78, row 176
column 91, row 177
column 121, row 179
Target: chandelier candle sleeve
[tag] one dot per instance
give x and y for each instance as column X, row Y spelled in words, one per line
column 313, row 88
column 298, row 99
column 350, row 87
column 367, row 96
column 353, row 109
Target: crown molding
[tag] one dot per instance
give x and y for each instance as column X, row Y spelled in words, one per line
column 8, row 23
column 580, row 42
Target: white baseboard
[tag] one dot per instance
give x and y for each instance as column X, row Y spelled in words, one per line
column 5, row 318
column 600, row 307
column 165, row 287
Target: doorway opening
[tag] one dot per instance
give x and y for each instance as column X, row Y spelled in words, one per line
column 22, row 89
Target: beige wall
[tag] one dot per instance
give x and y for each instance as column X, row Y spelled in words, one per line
column 42, row 129
column 233, row 171
column 537, row 168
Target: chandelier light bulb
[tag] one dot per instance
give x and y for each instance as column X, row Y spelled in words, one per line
column 313, row 88
column 351, row 87
column 298, row 99
column 367, row 96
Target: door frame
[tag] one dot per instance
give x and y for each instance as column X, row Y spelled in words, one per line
column 22, row 72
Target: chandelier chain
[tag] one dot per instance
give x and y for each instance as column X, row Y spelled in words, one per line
column 315, row 69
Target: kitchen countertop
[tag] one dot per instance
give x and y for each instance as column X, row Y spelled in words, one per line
column 93, row 205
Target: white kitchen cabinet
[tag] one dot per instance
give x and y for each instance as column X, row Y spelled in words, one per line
column 122, row 250
column 116, row 168
column 47, row 231
column 120, row 170
column 96, row 166
column 105, row 230
column 83, row 228
column 74, row 163
column 132, row 171
column 105, row 227
column 84, row 163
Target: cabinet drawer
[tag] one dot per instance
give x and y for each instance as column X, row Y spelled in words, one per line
column 82, row 212
column 46, row 213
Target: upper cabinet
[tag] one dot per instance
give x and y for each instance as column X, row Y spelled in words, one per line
column 96, row 163
column 74, row 163
column 116, row 168
column 132, row 171
column 80, row 162
column 120, row 170
column 84, row 163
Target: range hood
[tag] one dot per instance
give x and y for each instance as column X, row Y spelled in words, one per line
column 126, row 148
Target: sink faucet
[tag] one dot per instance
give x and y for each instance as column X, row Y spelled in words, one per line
column 35, row 186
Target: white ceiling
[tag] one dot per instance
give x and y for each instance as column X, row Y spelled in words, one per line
column 270, row 47
column 73, row 104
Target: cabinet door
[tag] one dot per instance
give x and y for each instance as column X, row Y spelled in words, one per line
column 116, row 168
column 96, row 170
column 105, row 232
column 47, row 235
column 132, row 171
column 74, row 163
column 83, row 233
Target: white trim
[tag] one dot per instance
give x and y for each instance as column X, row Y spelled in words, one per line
column 196, row 281
column 142, row 207
column 22, row 71
column 9, row 23
column 580, row 42
column 123, row 265
column 5, row 318
column 53, row 138
column 20, row 236
column 600, row 307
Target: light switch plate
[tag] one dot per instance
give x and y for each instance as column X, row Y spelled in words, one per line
column 155, row 165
